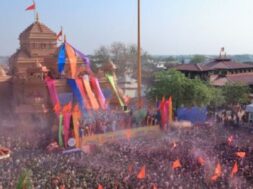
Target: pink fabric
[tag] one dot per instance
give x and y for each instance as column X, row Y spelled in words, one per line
column 66, row 122
column 52, row 91
column 97, row 91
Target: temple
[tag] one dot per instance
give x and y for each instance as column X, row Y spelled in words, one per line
column 28, row 66
column 219, row 71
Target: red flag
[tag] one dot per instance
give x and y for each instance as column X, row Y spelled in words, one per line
column 31, row 7
column 217, row 172
column 234, row 170
column 100, row 186
column 59, row 35
column 241, row 154
column 142, row 173
column 176, row 164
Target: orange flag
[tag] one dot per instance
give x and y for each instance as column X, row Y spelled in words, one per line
column 234, row 170
column 217, row 172
column 241, row 154
column 154, row 186
column 57, row 108
column 201, row 161
column 128, row 134
column 100, row 186
column 176, row 164
column 142, row 173
column 72, row 59
column 67, row 107
column 170, row 110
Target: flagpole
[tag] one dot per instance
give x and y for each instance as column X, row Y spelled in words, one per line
column 34, row 12
column 139, row 56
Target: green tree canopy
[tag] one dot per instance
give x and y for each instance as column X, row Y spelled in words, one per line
column 185, row 91
column 236, row 93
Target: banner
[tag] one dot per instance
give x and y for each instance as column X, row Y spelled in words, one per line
column 93, row 100
column 61, row 58
column 86, row 100
column 72, row 59
column 52, row 91
column 76, row 118
column 119, row 135
column 111, row 80
column 66, row 121
column 60, row 130
column 77, row 93
column 97, row 91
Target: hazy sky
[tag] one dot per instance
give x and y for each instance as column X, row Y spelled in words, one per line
column 168, row 26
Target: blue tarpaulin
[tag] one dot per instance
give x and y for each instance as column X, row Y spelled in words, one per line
column 193, row 114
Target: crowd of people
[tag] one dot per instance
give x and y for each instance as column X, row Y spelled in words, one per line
column 115, row 165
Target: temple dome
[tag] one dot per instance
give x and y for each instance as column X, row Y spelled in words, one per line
column 37, row 30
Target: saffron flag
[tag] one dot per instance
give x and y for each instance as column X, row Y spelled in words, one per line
column 76, row 118
column 80, row 86
column 31, row 7
column 217, row 172
column 142, row 173
column 93, row 100
column 234, row 169
column 72, row 59
column 241, row 154
column 176, row 164
column 100, row 186
column 163, row 110
column 170, row 110
column 61, row 58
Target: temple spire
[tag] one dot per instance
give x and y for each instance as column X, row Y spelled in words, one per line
column 37, row 17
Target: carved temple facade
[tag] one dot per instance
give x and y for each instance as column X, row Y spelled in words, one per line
column 36, row 57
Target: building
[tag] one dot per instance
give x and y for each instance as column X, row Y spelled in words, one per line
column 25, row 91
column 219, row 71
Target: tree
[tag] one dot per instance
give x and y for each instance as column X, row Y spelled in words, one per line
column 236, row 93
column 185, row 91
column 124, row 56
column 198, row 59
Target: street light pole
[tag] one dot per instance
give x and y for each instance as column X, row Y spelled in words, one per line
column 139, row 55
